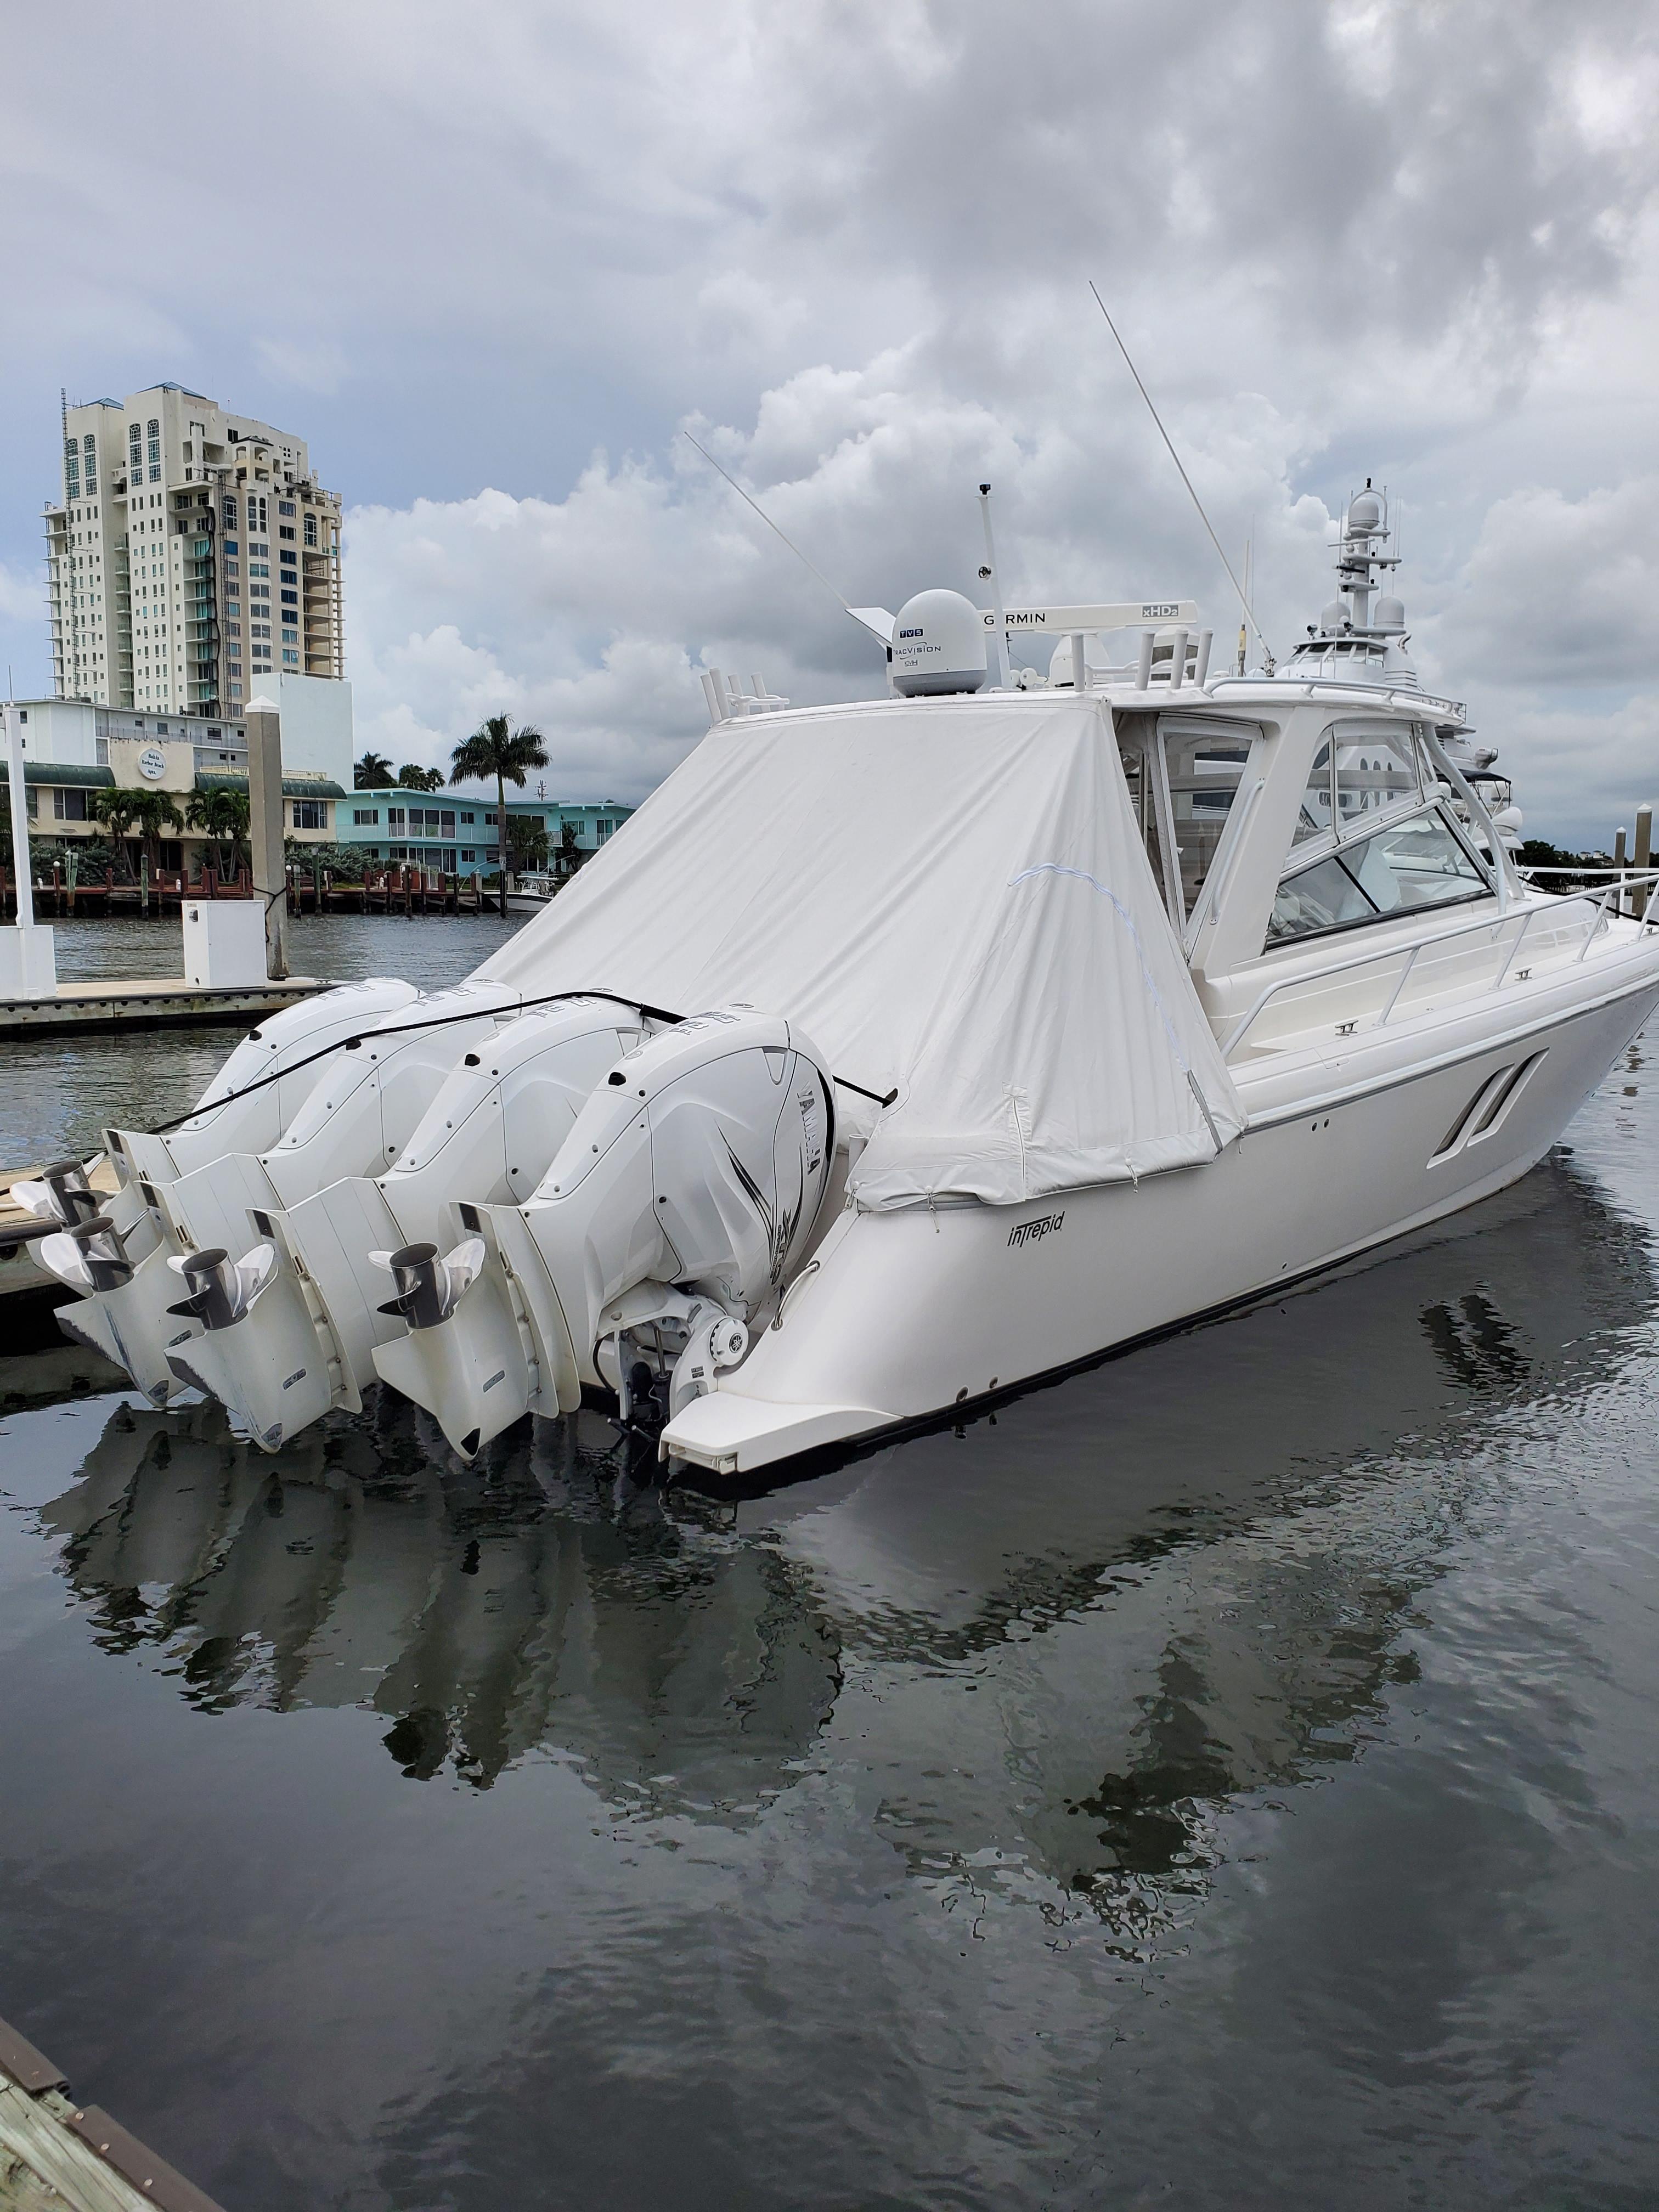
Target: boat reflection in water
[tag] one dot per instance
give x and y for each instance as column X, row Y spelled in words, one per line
column 1047, row 1651
column 517, row 1605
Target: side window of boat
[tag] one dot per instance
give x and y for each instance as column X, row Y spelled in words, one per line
column 1204, row 765
column 1413, row 865
column 1136, row 737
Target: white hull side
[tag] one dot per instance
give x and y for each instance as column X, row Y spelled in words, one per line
column 912, row 1311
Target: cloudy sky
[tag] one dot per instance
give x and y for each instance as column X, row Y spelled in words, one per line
column 490, row 260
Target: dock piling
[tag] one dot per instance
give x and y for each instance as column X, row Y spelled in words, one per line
column 264, row 784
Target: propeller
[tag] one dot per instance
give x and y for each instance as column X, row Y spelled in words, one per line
column 59, row 1194
column 221, row 1289
column 430, row 1288
column 88, row 1255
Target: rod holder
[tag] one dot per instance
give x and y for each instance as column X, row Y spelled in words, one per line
column 1643, row 858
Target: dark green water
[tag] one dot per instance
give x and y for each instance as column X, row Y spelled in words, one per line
column 1227, row 1779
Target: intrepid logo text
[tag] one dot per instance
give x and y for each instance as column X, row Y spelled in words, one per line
column 1028, row 1232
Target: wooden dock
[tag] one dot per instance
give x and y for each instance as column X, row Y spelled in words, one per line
column 166, row 1002
column 393, row 889
column 57, row 2155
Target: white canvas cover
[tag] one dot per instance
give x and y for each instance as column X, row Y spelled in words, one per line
column 951, row 898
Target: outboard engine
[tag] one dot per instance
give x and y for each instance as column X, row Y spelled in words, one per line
column 355, row 1085
column 496, row 1120
column 113, row 1316
column 675, row 1212
column 257, row 1354
column 123, row 1315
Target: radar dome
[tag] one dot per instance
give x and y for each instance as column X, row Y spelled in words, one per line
column 938, row 645
column 1335, row 615
column 1365, row 512
column 1390, row 617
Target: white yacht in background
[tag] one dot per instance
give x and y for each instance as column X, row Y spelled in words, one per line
column 894, row 1054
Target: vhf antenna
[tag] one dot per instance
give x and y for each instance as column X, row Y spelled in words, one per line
column 771, row 525
column 1248, row 616
column 861, row 615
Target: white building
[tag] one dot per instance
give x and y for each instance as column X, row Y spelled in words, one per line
column 73, row 749
column 193, row 561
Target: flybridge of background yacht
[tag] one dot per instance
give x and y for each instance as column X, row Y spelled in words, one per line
column 796, row 1118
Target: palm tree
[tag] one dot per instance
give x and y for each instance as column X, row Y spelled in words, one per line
column 420, row 779
column 496, row 749
column 116, row 809
column 155, row 813
column 224, row 815
column 529, row 845
column 149, row 811
column 373, row 772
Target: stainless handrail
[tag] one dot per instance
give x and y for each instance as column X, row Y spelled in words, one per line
column 1596, row 899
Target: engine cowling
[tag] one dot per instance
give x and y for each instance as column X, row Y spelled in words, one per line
column 681, row 1201
column 700, row 1162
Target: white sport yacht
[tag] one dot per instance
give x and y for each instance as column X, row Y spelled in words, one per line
column 894, row 1056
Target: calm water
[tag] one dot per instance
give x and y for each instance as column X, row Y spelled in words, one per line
column 59, row 1093
column 1226, row 1779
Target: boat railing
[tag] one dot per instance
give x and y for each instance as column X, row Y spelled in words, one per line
column 1437, row 962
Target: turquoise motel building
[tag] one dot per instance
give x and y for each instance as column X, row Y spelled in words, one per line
column 457, row 830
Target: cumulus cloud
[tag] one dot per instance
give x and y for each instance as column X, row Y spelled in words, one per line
column 848, row 242
column 1559, row 588
column 594, row 615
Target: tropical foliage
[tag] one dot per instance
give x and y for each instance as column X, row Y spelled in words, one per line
column 345, row 863
column 528, row 840
column 123, row 812
column 373, row 772
column 420, row 779
column 224, row 816
column 496, row 750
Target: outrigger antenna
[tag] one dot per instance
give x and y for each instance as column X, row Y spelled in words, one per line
column 859, row 614
column 1243, row 602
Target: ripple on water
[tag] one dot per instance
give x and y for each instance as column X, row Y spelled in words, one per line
column 1224, row 1779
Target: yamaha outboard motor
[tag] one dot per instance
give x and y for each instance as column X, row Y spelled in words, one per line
column 674, row 1213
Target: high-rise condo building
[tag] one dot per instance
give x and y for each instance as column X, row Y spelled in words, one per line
column 193, row 561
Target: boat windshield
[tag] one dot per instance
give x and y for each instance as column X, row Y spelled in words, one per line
column 1363, row 769
column 1416, row 864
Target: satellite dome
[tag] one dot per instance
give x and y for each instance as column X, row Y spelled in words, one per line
column 1390, row 617
column 939, row 646
column 1366, row 512
column 1335, row 615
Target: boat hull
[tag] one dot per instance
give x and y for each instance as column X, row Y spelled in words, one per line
column 908, row 1315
